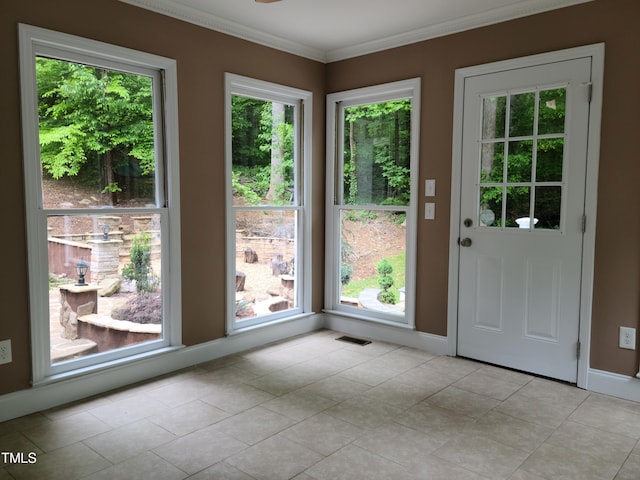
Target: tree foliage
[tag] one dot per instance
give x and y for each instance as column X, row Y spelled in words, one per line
column 377, row 153
column 263, row 155
column 385, row 281
column 94, row 119
column 520, row 145
column 140, row 269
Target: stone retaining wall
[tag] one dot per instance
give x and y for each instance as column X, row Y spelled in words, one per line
column 265, row 247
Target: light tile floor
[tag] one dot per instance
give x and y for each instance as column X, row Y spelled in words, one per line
column 316, row 408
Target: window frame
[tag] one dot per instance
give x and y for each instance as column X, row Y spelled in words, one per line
column 303, row 101
column 36, row 41
column 336, row 103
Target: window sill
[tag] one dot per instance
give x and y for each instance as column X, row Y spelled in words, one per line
column 271, row 323
column 366, row 318
column 101, row 367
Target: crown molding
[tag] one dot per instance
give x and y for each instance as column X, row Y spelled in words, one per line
column 497, row 15
column 469, row 22
column 219, row 24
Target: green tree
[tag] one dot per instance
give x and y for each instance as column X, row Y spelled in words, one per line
column 262, row 150
column 377, row 153
column 549, row 155
column 385, row 280
column 94, row 120
column 140, row 268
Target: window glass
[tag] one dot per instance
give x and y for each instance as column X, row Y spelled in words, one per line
column 493, row 117
column 377, row 154
column 263, row 152
column 97, row 133
column 105, row 283
column 528, row 195
column 373, row 260
column 521, row 114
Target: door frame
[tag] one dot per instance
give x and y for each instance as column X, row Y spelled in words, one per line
column 596, row 53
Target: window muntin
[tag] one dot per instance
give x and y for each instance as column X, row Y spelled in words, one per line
column 371, row 220
column 88, row 108
column 522, row 160
column 267, row 236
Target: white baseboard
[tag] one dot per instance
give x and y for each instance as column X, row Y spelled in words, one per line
column 614, row 384
column 42, row 397
column 424, row 341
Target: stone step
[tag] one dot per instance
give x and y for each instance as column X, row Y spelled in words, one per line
column 72, row 349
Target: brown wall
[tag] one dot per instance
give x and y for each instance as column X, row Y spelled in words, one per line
column 616, row 296
column 203, row 57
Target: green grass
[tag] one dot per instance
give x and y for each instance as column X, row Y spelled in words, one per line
column 354, row 287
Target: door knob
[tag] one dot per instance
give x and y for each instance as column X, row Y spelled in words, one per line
column 465, row 242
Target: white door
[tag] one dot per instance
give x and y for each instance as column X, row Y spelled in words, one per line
column 524, row 151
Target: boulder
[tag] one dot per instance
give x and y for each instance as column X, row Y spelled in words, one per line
column 109, row 286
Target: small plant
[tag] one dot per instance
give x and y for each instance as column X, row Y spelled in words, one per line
column 386, row 282
column 346, row 272
column 140, row 268
column 143, row 308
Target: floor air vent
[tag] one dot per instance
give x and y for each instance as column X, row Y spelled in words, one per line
column 357, row 341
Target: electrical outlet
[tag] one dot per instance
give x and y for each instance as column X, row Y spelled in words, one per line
column 5, row 351
column 628, row 338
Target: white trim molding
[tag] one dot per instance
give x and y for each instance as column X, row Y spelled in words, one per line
column 613, row 384
column 386, row 333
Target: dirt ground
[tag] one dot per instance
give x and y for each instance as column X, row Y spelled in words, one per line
column 370, row 241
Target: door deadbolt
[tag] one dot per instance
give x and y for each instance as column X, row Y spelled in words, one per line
column 467, row 222
column 465, row 242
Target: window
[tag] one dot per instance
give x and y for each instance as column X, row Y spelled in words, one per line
column 521, row 154
column 371, row 210
column 101, row 186
column 268, row 206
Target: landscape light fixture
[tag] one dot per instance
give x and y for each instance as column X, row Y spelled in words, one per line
column 81, row 268
column 105, row 232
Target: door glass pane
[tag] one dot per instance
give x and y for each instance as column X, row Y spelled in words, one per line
column 493, row 117
column 492, row 162
column 105, row 283
column 96, row 135
column 518, row 201
column 263, row 152
column 549, row 160
column 490, row 214
column 520, row 161
column 522, row 113
column 547, row 207
column 372, row 260
column 265, row 262
column 377, row 154
column 552, row 111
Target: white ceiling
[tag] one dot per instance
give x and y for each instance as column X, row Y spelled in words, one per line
column 330, row 30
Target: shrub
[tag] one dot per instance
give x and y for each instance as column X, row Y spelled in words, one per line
column 140, row 268
column 386, row 282
column 346, row 272
column 143, row 308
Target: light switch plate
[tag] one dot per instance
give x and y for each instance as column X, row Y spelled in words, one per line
column 430, row 188
column 429, row 211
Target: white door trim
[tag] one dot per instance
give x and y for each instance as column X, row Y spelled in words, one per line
column 596, row 52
